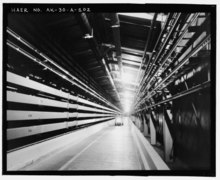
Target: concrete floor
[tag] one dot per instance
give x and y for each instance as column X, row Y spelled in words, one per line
column 112, row 148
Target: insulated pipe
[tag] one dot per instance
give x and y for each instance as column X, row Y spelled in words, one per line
column 146, row 45
column 115, row 24
column 155, row 46
column 72, row 81
column 174, row 46
column 206, row 40
column 179, row 95
column 145, row 49
column 168, row 19
column 81, row 84
column 148, row 77
column 163, row 46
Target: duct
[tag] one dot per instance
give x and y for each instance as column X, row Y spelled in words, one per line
column 84, row 24
column 116, row 36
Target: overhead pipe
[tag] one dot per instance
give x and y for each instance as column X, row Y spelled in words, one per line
column 23, row 41
column 80, row 85
column 164, row 44
column 154, row 49
column 206, row 40
column 160, row 51
column 158, row 40
column 147, row 44
column 115, row 24
column 85, row 25
column 179, row 95
column 72, row 81
column 145, row 51
column 174, row 46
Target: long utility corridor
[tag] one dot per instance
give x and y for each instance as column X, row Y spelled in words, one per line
column 108, row 91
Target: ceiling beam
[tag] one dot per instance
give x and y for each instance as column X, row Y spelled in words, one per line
column 129, row 50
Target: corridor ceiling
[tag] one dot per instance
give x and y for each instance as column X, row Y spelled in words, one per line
column 124, row 55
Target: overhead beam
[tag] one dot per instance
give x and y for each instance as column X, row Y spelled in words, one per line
column 129, row 82
column 125, row 63
column 125, row 49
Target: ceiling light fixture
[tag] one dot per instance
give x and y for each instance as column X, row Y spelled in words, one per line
column 160, row 17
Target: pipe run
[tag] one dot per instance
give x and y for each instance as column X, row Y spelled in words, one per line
column 206, row 40
column 165, row 42
column 72, row 81
column 80, row 84
column 173, row 48
column 163, row 46
column 154, row 49
column 147, row 44
column 179, row 95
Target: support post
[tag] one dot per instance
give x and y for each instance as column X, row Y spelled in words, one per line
column 168, row 140
column 152, row 132
column 135, row 120
column 145, row 125
column 141, row 123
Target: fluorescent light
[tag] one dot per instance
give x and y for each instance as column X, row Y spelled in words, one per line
column 138, row 15
column 149, row 16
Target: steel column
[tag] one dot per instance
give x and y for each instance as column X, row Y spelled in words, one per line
column 153, row 137
column 145, row 125
column 168, row 141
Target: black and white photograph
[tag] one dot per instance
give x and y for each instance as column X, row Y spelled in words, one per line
column 109, row 89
